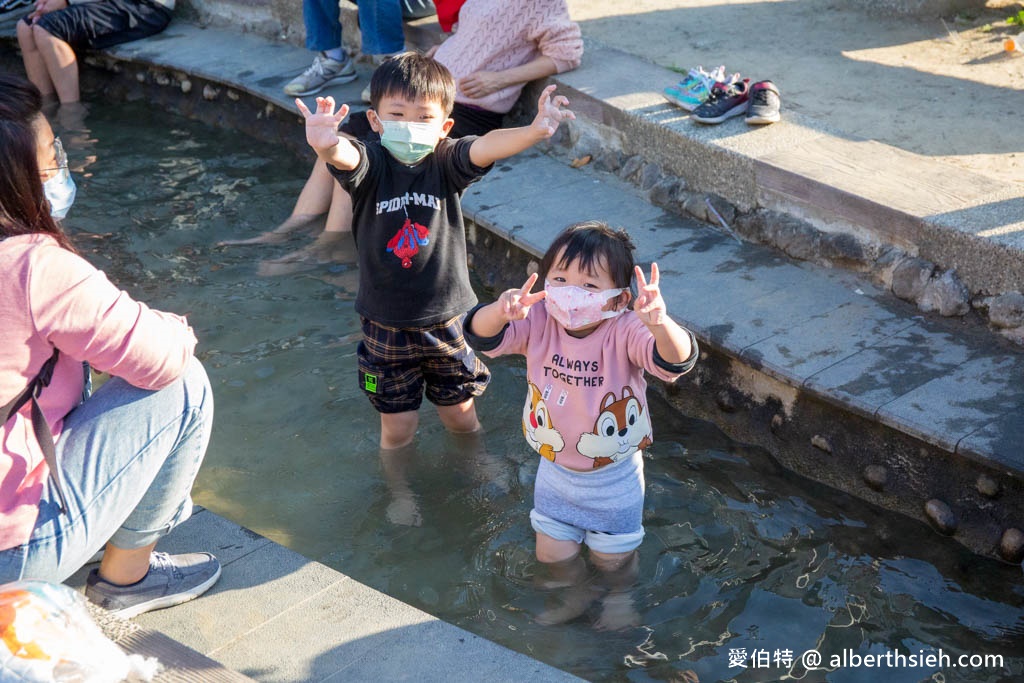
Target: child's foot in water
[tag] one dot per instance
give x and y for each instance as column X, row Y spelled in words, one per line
column 568, row 604
column 279, row 234
column 617, row 612
column 329, row 247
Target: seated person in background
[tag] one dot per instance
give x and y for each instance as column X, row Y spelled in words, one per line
column 498, row 46
column 50, row 35
column 77, row 471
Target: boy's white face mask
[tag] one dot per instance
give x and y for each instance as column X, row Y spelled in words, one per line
column 408, row 141
column 575, row 307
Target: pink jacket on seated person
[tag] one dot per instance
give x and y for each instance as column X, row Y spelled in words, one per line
column 54, row 298
column 495, row 35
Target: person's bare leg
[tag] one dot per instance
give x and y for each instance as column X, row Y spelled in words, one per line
column 617, row 573
column 339, row 218
column 562, row 568
column 396, row 434
column 460, row 418
column 315, row 198
column 314, row 201
column 398, row 429
column 404, row 508
column 35, row 67
column 122, row 567
column 61, row 64
column 494, row 473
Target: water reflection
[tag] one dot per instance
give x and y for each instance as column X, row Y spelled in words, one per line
column 740, row 556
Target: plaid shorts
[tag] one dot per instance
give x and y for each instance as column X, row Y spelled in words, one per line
column 395, row 363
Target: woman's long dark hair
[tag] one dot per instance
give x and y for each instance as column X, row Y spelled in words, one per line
column 24, row 209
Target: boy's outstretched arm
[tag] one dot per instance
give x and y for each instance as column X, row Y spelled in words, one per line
column 322, row 133
column 671, row 340
column 513, row 304
column 505, row 142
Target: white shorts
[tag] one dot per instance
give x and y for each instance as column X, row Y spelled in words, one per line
column 595, row 540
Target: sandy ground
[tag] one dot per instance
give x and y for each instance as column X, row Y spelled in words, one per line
column 937, row 86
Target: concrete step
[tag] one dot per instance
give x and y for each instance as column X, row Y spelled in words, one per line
column 276, row 616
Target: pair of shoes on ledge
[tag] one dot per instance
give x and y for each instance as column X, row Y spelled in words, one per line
column 713, row 97
column 760, row 102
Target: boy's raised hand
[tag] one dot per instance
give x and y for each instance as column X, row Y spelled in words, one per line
column 550, row 113
column 515, row 303
column 649, row 305
column 322, row 126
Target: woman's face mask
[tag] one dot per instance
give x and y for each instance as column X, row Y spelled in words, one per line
column 408, row 141
column 575, row 307
column 60, row 189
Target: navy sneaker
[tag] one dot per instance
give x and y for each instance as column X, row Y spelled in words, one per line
column 764, row 103
column 726, row 100
column 171, row 580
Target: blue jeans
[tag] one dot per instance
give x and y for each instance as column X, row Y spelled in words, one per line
column 322, row 19
column 380, row 24
column 128, row 458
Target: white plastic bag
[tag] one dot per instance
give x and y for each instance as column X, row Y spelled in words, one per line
column 47, row 636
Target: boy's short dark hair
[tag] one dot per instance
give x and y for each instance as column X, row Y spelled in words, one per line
column 590, row 243
column 414, row 77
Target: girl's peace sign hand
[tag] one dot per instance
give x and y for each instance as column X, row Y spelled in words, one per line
column 515, row 303
column 322, row 127
column 649, row 305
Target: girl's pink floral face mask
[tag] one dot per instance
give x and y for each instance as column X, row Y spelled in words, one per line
column 575, row 307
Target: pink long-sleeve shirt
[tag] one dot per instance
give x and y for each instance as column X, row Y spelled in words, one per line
column 586, row 402
column 54, row 298
column 495, row 35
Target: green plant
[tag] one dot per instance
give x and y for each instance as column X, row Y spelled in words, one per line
column 1017, row 19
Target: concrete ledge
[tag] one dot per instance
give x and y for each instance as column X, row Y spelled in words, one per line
column 956, row 218
column 277, row 616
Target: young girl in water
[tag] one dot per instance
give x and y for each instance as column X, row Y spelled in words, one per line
column 586, row 409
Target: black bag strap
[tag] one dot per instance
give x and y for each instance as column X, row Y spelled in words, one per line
column 39, row 426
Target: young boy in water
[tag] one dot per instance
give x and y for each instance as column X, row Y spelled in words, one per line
column 414, row 287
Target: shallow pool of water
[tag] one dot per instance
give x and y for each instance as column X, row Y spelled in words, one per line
column 744, row 568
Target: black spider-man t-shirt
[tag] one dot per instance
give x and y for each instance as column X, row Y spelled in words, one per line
column 409, row 233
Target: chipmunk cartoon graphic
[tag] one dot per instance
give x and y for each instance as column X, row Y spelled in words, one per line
column 621, row 429
column 537, row 427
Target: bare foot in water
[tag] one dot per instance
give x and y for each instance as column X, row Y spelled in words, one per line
column 617, row 612
column 329, row 247
column 295, row 223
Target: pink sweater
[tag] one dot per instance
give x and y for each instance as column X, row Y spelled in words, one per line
column 495, row 35
column 52, row 297
column 586, row 402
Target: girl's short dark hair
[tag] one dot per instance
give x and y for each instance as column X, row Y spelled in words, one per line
column 592, row 243
column 24, row 209
column 414, row 77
